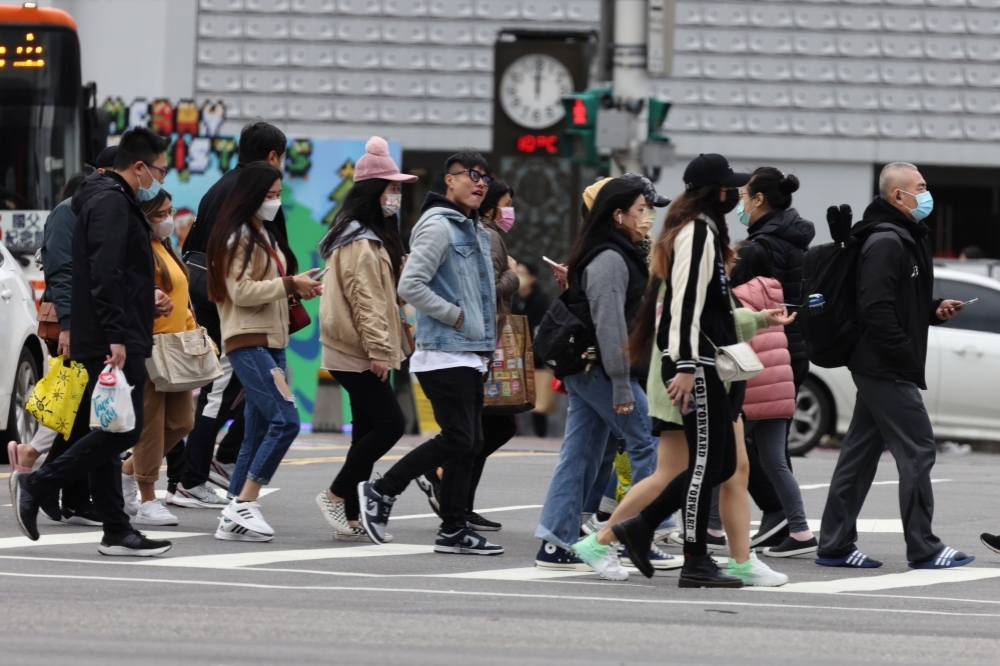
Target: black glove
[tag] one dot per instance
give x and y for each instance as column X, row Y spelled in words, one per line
column 840, row 220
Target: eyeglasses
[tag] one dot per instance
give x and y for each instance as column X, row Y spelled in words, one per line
column 474, row 176
column 159, row 216
column 163, row 172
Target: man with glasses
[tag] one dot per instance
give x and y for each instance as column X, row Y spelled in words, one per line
column 448, row 278
column 113, row 286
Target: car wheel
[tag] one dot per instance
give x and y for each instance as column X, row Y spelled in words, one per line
column 813, row 417
column 21, row 425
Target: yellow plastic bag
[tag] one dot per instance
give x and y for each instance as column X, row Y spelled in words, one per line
column 56, row 398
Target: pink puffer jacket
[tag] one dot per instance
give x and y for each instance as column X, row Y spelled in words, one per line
column 771, row 394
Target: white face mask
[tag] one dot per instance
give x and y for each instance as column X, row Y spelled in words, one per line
column 163, row 229
column 392, row 204
column 269, row 209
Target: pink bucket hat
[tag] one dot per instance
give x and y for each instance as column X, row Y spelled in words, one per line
column 376, row 163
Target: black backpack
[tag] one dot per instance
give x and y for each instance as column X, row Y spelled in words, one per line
column 564, row 335
column 831, row 269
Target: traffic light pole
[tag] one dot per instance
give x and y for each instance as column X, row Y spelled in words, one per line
column 629, row 68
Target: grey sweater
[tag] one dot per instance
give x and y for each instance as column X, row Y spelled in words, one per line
column 605, row 281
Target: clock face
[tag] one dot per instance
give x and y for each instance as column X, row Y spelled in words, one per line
column 532, row 88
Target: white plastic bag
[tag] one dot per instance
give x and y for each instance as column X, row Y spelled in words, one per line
column 111, row 406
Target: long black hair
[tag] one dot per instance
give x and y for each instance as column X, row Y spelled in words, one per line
column 235, row 220
column 162, row 272
column 363, row 204
column 494, row 193
column 753, row 260
column 617, row 194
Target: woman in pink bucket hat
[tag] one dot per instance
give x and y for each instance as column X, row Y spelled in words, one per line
column 361, row 326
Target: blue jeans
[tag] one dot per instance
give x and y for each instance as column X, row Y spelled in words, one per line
column 272, row 421
column 589, row 421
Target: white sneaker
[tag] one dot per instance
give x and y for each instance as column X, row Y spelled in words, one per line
column 602, row 559
column 358, row 534
column 762, row 575
column 248, row 515
column 154, row 513
column 199, row 497
column 130, row 491
column 220, row 474
column 593, row 525
column 230, row 530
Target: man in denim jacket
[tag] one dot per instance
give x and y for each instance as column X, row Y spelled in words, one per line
column 448, row 278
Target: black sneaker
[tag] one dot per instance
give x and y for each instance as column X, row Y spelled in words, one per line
column 551, row 556
column 791, row 547
column 991, row 541
column 24, row 505
column 431, row 485
column 477, row 522
column 713, row 543
column 637, row 536
column 133, row 544
column 375, row 510
column 49, row 507
column 770, row 532
column 702, row 571
column 85, row 515
column 465, row 541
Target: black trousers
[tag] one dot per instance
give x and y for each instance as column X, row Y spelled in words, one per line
column 76, row 493
column 377, row 423
column 498, row 429
column 456, row 395
column 96, row 453
column 226, row 398
column 711, row 460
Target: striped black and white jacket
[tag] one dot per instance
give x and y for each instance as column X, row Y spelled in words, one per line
column 697, row 301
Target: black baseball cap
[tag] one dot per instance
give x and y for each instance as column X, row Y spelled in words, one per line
column 106, row 158
column 648, row 191
column 712, row 169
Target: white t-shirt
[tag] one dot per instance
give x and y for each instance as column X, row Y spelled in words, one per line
column 432, row 359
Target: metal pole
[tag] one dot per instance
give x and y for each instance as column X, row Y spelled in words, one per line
column 629, row 70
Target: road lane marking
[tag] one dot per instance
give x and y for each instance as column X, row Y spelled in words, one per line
column 518, row 574
column 864, row 525
column 501, row 508
column 336, row 459
column 915, row 578
column 238, row 560
column 264, row 492
column 499, row 595
column 82, row 537
column 814, row 486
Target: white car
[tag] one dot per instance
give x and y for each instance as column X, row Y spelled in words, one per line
column 22, row 353
column 963, row 373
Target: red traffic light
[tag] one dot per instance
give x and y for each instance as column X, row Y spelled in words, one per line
column 579, row 112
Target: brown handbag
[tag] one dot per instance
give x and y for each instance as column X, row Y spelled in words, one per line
column 510, row 386
column 48, row 322
column 298, row 318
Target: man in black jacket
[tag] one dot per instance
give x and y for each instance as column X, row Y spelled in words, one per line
column 113, row 285
column 895, row 308
column 221, row 400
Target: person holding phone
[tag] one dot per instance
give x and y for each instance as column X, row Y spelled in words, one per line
column 361, row 329
column 251, row 276
column 895, row 308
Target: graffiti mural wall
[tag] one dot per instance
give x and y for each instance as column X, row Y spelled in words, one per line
column 318, row 173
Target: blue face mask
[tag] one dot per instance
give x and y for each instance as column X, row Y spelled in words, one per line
column 144, row 194
column 742, row 216
column 925, row 205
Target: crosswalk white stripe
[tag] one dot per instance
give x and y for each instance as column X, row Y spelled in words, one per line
column 238, row 560
column 264, row 492
column 501, row 508
column 816, row 486
column 82, row 537
column 915, row 578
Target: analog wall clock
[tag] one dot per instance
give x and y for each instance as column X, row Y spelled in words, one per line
column 532, row 88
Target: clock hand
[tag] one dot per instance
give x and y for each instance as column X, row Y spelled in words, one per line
column 538, row 79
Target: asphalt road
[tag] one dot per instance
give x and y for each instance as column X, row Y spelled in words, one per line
column 305, row 599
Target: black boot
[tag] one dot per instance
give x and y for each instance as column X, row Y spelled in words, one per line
column 636, row 535
column 702, row 571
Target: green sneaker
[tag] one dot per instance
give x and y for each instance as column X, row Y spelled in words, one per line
column 602, row 559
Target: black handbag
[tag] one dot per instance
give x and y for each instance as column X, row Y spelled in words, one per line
column 563, row 338
column 197, row 264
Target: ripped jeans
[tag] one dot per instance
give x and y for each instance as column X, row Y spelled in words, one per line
column 272, row 419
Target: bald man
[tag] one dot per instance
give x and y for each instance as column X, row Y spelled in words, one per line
column 895, row 308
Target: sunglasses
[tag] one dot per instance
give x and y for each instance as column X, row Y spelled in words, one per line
column 474, row 176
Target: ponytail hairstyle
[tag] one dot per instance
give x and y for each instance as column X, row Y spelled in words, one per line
column 161, row 272
column 776, row 187
column 234, row 224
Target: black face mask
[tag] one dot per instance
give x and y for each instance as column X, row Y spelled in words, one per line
column 731, row 201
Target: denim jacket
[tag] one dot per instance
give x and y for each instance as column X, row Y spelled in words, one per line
column 449, row 270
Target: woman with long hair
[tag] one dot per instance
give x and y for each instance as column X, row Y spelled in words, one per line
column 167, row 417
column 251, row 279
column 607, row 275
column 691, row 257
column 361, row 326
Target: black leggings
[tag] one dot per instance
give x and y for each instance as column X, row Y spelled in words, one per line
column 498, row 429
column 711, row 460
column 376, row 425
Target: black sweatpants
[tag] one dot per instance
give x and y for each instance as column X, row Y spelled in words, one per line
column 456, row 395
column 97, row 453
column 377, row 423
column 76, row 493
column 711, row 460
column 498, row 429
